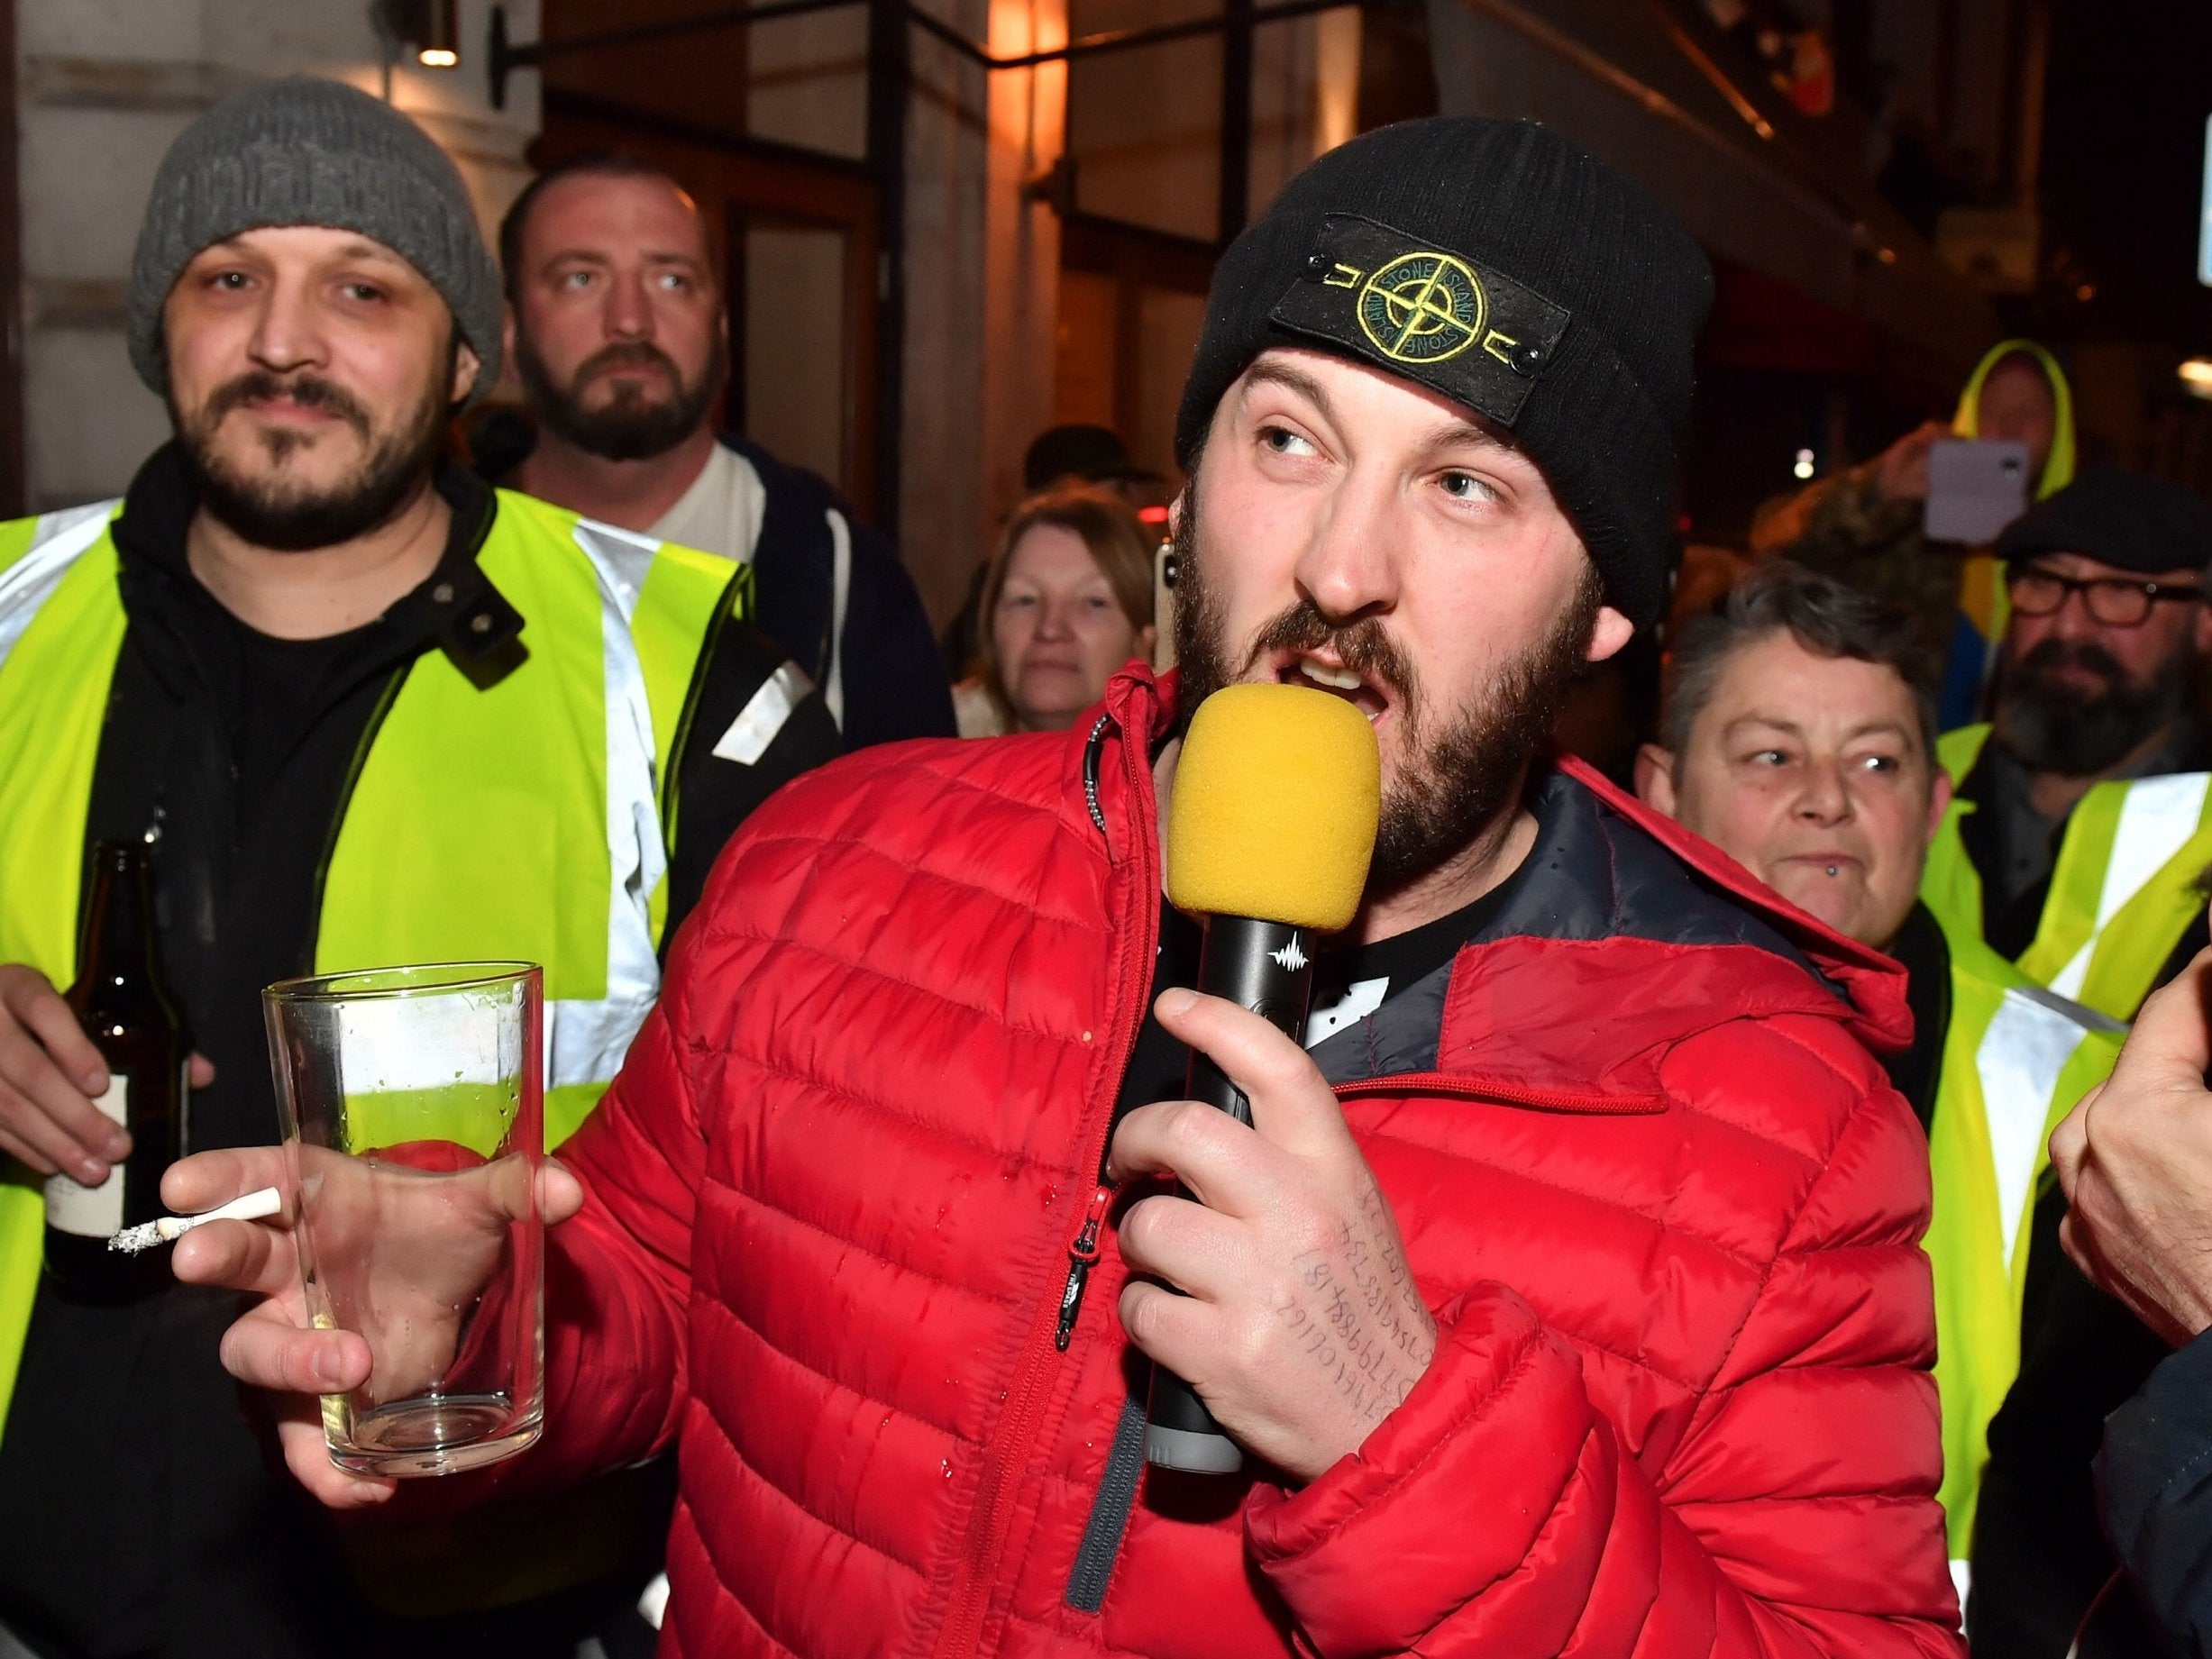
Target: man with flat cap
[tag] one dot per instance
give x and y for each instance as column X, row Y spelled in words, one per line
column 1564, row 1295
column 2079, row 844
column 2082, row 816
column 361, row 709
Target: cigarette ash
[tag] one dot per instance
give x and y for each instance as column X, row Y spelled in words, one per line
column 132, row 1241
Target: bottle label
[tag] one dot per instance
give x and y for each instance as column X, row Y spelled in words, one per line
column 92, row 1212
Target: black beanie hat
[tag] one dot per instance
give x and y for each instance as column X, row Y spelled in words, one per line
column 2123, row 519
column 1498, row 264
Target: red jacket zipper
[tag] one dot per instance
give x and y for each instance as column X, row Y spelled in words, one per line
column 1015, row 1434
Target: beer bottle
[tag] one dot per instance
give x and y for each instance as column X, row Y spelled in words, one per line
column 123, row 1006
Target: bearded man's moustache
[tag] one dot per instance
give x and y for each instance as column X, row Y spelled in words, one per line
column 2056, row 654
column 1364, row 647
column 308, row 391
column 628, row 354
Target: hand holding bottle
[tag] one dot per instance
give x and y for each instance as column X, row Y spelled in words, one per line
column 141, row 1067
column 49, row 1076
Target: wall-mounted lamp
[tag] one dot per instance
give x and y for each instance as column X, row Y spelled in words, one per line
column 2197, row 377
column 428, row 28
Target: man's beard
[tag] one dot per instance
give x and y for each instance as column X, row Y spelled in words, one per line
column 2053, row 726
column 290, row 517
column 1453, row 781
column 630, row 425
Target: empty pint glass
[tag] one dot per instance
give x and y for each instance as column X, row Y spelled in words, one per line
column 413, row 1121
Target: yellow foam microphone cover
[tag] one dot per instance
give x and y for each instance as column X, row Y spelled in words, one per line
column 1273, row 807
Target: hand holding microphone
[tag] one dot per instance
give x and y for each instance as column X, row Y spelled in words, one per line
column 1293, row 1313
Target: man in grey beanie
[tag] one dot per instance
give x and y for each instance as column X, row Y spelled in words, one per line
column 362, row 708
column 313, row 153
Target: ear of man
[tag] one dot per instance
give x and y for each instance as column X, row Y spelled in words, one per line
column 1611, row 631
column 467, row 366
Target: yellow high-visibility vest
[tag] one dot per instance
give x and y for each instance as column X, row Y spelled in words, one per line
column 2017, row 1058
column 528, row 820
column 2128, row 881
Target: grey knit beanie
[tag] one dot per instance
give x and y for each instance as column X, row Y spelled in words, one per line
column 318, row 152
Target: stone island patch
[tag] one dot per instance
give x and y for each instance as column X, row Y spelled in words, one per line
column 1434, row 316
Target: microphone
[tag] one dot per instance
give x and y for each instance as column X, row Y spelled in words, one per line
column 1269, row 830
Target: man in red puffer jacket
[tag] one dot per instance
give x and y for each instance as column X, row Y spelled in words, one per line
column 1587, row 1163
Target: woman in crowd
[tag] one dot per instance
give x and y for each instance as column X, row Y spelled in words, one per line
column 1067, row 600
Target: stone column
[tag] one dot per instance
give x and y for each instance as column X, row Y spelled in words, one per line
column 941, row 515
column 1021, row 250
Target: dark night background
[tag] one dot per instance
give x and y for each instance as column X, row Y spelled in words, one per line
column 2123, row 135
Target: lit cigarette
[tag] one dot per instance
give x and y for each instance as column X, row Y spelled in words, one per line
column 268, row 1202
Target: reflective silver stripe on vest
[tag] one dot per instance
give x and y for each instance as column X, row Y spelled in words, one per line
column 585, row 1041
column 2028, row 1042
column 2158, row 815
column 57, row 542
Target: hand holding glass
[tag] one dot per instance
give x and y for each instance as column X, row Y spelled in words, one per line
column 413, row 1110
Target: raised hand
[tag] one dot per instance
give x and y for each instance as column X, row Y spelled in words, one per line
column 1901, row 470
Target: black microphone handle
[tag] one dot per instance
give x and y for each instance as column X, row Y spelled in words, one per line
column 1262, row 966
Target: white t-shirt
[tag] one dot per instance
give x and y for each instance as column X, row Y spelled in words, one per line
column 721, row 512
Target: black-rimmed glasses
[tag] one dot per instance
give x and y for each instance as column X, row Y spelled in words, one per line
column 2115, row 601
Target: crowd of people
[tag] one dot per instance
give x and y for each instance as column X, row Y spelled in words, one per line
column 1752, row 1212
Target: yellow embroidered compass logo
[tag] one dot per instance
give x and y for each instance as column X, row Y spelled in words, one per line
column 1422, row 308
